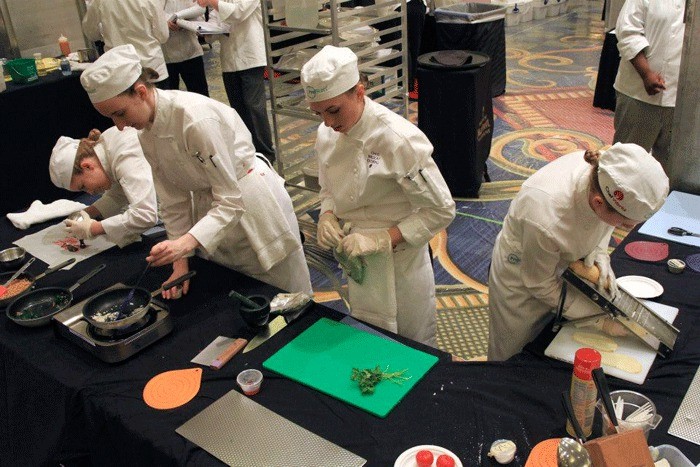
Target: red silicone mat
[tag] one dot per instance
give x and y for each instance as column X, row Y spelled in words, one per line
column 647, row 251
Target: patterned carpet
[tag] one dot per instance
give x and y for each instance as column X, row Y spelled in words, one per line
column 546, row 112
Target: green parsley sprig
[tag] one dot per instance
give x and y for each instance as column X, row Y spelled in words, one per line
column 368, row 378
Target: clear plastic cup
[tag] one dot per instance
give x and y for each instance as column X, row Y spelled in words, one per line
column 249, row 381
column 631, row 402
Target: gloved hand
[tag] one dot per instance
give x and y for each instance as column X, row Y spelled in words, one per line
column 80, row 229
column 606, row 280
column 611, row 327
column 328, row 233
column 363, row 244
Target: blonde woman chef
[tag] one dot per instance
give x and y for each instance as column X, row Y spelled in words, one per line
column 215, row 194
column 377, row 173
column 114, row 166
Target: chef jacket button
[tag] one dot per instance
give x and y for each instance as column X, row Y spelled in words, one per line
column 513, row 258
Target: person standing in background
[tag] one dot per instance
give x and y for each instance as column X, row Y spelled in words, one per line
column 141, row 23
column 650, row 41
column 243, row 62
column 183, row 53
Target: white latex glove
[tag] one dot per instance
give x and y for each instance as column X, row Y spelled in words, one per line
column 363, row 244
column 606, row 281
column 80, row 229
column 611, row 327
column 328, row 232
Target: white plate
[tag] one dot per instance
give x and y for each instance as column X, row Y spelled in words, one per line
column 408, row 457
column 640, row 286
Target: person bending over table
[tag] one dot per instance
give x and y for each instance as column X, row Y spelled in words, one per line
column 111, row 164
column 378, row 177
column 214, row 193
column 565, row 211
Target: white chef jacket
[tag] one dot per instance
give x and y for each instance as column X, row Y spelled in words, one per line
column 549, row 225
column 122, row 159
column 244, row 48
column 381, row 174
column 210, row 185
column 657, row 28
column 141, row 23
column 182, row 44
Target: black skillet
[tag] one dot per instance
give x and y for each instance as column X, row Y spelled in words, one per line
column 38, row 306
column 31, row 278
column 110, row 310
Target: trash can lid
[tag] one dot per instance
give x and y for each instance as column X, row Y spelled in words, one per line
column 453, row 59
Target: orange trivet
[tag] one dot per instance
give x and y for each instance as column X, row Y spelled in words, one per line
column 172, row 388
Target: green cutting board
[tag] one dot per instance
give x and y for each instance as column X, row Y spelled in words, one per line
column 324, row 355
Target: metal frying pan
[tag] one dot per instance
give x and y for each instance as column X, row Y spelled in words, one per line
column 38, row 306
column 29, row 277
column 109, row 309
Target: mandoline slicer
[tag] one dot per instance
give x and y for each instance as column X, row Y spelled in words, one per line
column 641, row 320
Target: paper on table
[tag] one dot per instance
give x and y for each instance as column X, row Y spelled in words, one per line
column 213, row 350
column 46, row 245
column 204, row 27
column 679, row 210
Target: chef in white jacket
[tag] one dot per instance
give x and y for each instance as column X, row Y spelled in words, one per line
column 114, row 166
column 378, row 177
column 215, row 194
column 183, row 52
column 141, row 23
column 564, row 212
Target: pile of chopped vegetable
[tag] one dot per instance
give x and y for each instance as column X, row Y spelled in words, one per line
column 368, row 378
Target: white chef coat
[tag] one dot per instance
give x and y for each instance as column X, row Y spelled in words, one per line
column 244, row 48
column 549, row 225
column 210, row 185
column 141, row 23
column 122, row 159
column 381, row 174
column 657, row 28
column 183, row 44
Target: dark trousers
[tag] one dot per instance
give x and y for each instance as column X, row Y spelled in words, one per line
column 246, row 93
column 192, row 73
column 415, row 20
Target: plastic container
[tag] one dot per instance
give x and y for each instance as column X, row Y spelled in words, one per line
column 301, row 13
column 65, row 67
column 64, row 45
column 470, row 13
column 539, row 9
column 632, row 401
column 22, row 70
column 674, row 456
column 250, row 381
column 583, row 390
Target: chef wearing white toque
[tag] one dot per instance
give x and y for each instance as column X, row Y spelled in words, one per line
column 111, row 164
column 215, row 195
column 377, row 174
column 566, row 211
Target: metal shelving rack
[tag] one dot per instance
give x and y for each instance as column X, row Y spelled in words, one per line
column 294, row 125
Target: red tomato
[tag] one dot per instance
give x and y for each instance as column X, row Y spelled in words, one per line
column 444, row 460
column 424, row 458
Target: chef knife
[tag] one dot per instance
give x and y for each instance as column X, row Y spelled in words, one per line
column 275, row 326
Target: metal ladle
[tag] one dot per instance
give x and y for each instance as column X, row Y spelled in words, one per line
column 571, row 453
column 682, row 232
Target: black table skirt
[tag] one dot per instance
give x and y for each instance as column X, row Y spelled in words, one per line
column 59, row 403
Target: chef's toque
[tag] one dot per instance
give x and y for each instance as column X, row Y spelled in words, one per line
column 62, row 160
column 329, row 73
column 632, row 181
column 112, row 73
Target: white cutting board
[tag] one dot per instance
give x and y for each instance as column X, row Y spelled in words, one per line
column 563, row 346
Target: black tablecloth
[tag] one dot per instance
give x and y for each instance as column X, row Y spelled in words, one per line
column 33, row 117
column 59, row 402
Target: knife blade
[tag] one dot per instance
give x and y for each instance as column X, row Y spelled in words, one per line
column 272, row 328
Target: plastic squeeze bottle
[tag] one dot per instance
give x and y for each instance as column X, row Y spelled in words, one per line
column 64, row 45
column 583, row 390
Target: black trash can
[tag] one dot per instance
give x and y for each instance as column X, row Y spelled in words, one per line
column 479, row 27
column 456, row 114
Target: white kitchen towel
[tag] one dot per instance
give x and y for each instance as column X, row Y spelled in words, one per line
column 40, row 212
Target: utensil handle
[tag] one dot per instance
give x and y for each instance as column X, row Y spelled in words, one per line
column 53, row 269
column 601, row 383
column 175, row 282
column 243, row 299
column 87, row 277
column 569, row 409
column 19, row 272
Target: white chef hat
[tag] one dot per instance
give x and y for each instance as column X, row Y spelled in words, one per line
column 632, row 181
column 62, row 160
column 112, row 73
column 329, row 73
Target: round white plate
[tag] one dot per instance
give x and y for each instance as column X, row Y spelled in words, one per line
column 640, row 286
column 408, row 457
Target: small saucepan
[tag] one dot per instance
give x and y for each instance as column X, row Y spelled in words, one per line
column 25, row 282
column 38, row 306
column 114, row 309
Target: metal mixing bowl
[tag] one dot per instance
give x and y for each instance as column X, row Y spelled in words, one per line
column 12, row 257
